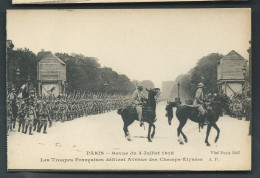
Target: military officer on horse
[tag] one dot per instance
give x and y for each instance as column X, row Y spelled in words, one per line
column 137, row 101
column 199, row 101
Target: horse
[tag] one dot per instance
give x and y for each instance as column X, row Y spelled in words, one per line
column 129, row 114
column 214, row 110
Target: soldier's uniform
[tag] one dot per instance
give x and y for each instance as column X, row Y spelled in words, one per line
column 198, row 101
column 68, row 113
column 44, row 117
column 49, row 108
column 36, row 122
column 77, row 109
column 80, row 109
column 199, row 96
column 91, row 107
column 137, row 98
column 55, row 110
column 73, row 110
column 21, row 117
column 30, row 116
column 63, row 111
column 9, row 116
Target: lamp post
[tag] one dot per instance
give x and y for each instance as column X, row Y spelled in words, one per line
column 17, row 74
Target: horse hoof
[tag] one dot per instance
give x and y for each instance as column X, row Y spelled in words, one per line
column 128, row 138
column 181, row 143
column 149, row 140
column 152, row 136
column 186, row 140
column 208, row 144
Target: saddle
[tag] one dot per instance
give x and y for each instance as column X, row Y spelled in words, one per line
column 147, row 112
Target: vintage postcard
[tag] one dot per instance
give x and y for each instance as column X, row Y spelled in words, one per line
column 129, row 90
column 100, row 1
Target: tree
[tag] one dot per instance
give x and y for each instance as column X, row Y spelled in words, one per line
column 21, row 63
column 85, row 73
column 205, row 71
column 147, row 84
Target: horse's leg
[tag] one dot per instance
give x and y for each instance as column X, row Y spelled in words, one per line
column 153, row 133
column 179, row 130
column 169, row 120
column 207, row 135
column 218, row 131
column 184, row 136
column 127, row 135
column 149, row 133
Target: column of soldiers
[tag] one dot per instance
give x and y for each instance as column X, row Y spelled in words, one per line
column 239, row 106
column 35, row 114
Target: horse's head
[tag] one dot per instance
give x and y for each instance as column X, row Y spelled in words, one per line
column 221, row 100
column 153, row 94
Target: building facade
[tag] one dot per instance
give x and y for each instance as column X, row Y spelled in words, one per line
column 231, row 74
column 51, row 75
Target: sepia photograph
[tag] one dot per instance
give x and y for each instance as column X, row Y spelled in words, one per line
column 129, row 90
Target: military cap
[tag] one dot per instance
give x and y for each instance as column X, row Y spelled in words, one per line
column 200, row 85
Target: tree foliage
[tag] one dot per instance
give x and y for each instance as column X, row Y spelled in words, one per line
column 146, row 83
column 83, row 73
column 205, row 71
column 21, row 63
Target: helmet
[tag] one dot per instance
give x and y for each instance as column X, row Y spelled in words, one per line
column 140, row 86
column 200, row 85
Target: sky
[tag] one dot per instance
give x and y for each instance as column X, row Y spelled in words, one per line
column 144, row 44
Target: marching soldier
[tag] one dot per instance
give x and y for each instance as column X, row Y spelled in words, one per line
column 91, row 107
column 44, row 117
column 73, row 110
column 49, row 108
column 13, row 103
column 62, row 111
column 68, row 113
column 80, row 109
column 85, row 107
column 36, row 113
column 21, row 117
column 30, row 116
column 36, row 122
column 9, row 116
column 55, row 110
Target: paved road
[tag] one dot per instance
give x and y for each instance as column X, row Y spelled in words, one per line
column 104, row 133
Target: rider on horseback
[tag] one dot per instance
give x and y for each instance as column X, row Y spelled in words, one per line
column 199, row 97
column 137, row 100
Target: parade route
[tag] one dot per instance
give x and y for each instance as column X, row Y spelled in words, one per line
column 85, row 137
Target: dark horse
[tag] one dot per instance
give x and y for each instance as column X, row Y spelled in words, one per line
column 214, row 110
column 129, row 114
